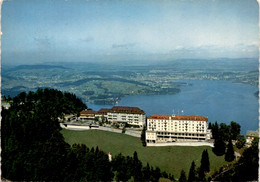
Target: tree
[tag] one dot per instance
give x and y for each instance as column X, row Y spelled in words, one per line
column 171, row 177
column 205, row 161
column 33, row 149
column 143, row 136
column 147, row 172
column 183, row 176
column 192, row 173
column 246, row 169
column 249, row 164
column 224, row 131
column 214, row 129
column 201, row 175
column 204, row 165
column 219, row 146
column 136, row 168
column 234, row 130
column 156, row 174
column 230, row 156
column 165, row 175
column 240, row 141
column 123, row 129
column 210, row 125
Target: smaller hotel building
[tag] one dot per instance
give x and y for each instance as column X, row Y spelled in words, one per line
column 117, row 114
column 172, row 128
column 129, row 115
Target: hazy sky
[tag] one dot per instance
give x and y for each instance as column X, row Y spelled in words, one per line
column 98, row 30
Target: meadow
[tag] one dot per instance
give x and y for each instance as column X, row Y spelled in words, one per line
column 171, row 159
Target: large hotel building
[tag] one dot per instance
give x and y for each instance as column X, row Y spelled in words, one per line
column 171, row 128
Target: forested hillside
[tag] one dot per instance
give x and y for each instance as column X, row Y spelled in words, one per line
column 33, row 148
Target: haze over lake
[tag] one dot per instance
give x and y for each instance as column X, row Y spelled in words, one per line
column 213, row 39
column 221, row 101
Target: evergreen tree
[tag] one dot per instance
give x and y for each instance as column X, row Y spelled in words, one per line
column 224, row 131
column 246, row 169
column 183, row 176
column 214, row 130
column 201, row 175
column 136, row 168
column 248, row 164
column 120, row 165
column 234, row 130
column 143, row 136
column 156, row 174
column 209, row 127
column 240, row 141
column 219, row 146
column 205, row 166
column 33, row 148
column 171, row 177
column 164, row 175
column 230, row 156
column 192, row 173
column 123, row 129
column 147, row 172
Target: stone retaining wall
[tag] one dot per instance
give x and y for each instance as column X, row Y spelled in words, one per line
column 180, row 144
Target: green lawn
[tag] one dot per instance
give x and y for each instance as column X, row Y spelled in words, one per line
column 170, row 159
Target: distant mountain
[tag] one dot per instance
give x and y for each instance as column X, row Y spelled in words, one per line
column 21, row 67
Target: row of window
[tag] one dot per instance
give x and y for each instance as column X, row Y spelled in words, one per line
column 176, row 129
column 180, row 134
column 179, row 121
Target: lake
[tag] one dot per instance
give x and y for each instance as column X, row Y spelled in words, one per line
column 221, row 101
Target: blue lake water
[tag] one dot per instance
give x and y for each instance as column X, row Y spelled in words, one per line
column 221, row 101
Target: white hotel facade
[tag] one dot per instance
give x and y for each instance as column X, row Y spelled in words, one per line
column 129, row 115
column 117, row 114
column 172, row 128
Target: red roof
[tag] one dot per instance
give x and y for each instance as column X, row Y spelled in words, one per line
column 179, row 117
column 115, row 109
column 103, row 111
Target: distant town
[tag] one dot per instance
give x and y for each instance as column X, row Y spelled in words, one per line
column 102, row 83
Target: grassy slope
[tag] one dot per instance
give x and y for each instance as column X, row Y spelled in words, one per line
column 170, row 159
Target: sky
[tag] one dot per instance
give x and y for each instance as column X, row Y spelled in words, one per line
column 36, row 31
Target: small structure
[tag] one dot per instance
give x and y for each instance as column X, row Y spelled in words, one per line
column 87, row 114
column 69, row 117
column 250, row 136
column 109, row 156
column 6, row 105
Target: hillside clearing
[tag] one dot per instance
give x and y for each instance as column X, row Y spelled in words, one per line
column 170, row 159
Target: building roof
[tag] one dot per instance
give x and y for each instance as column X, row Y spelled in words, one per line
column 103, row 111
column 179, row 117
column 88, row 112
column 129, row 110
